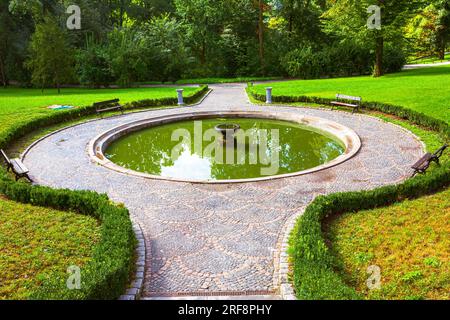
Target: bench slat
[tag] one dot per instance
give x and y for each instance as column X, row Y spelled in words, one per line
column 105, row 103
column 422, row 161
column 343, row 100
column 110, row 105
column 109, row 109
column 345, row 97
column 19, row 167
column 344, row 104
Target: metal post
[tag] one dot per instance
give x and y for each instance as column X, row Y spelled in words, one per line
column 180, row 97
column 269, row 95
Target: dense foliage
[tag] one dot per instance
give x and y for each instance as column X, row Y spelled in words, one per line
column 158, row 40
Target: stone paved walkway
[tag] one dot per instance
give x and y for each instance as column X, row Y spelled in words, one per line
column 219, row 239
column 425, row 65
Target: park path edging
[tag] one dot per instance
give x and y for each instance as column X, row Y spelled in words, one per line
column 134, row 290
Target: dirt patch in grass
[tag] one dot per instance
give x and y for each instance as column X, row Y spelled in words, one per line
column 409, row 241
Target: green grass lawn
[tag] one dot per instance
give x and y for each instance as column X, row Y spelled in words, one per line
column 18, row 105
column 36, row 243
column 429, row 60
column 19, row 101
column 408, row 241
column 424, row 90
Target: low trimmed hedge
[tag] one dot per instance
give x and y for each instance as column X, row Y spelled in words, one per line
column 167, row 101
column 407, row 114
column 314, row 273
column 23, row 128
column 107, row 274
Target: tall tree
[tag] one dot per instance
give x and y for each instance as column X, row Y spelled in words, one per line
column 204, row 21
column 51, row 57
column 348, row 18
column 443, row 27
column 15, row 31
column 303, row 18
column 261, row 6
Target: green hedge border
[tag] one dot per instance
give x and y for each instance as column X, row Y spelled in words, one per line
column 415, row 117
column 21, row 129
column 314, row 275
column 107, row 274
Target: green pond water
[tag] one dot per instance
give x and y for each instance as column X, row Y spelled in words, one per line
column 195, row 150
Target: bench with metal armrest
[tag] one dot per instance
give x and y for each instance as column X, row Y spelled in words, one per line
column 424, row 163
column 106, row 106
column 16, row 166
column 342, row 101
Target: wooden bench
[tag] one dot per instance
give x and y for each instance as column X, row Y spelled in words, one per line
column 424, row 163
column 16, row 166
column 342, row 101
column 106, row 106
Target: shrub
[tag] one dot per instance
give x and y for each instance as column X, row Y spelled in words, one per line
column 106, row 275
column 393, row 59
column 338, row 59
column 313, row 275
column 93, row 66
column 302, row 63
column 167, row 101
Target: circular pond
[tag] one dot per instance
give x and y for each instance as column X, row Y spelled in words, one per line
column 195, row 150
column 223, row 148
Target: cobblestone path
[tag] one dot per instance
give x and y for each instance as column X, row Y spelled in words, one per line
column 220, row 239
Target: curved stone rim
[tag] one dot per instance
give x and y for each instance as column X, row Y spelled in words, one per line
column 347, row 136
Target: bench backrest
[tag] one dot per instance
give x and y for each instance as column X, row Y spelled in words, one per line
column 345, row 97
column 106, row 103
column 5, row 157
column 440, row 152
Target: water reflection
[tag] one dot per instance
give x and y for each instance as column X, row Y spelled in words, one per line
column 296, row 148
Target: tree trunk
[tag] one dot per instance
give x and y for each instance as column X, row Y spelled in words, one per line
column 203, row 53
column 442, row 50
column 203, row 46
column 290, row 25
column 261, row 34
column 3, row 73
column 122, row 10
column 378, row 72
